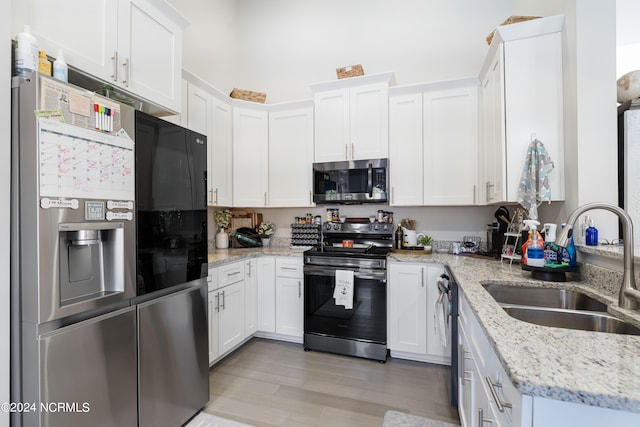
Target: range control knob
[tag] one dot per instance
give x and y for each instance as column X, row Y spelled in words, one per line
column 385, row 227
column 336, row 226
column 376, row 226
column 327, row 226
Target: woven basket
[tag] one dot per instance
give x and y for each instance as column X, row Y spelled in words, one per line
column 248, row 95
column 511, row 20
column 350, row 71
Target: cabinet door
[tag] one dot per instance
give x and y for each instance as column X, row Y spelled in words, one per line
column 451, row 146
column 289, row 306
column 493, row 183
column 266, row 267
column 212, row 311
column 198, row 109
column 149, row 53
column 534, row 104
column 407, row 308
column 435, row 348
column 88, row 43
column 290, row 157
column 405, row 149
column 231, row 316
column 251, row 297
column 331, row 112
column 220, row 153
column 369, row 122
column 250, row 157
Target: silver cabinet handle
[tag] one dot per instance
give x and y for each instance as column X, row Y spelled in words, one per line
column 210, row 197
column 265, row 198
column 492, row 387
column 249, row 272
column 310, row 198
column 127, row 72
column 346, row 151
column 215, row 197
column 233, row 273
column 223, row 301
column 114, row 58
column 489, row 186
column 474, row 194
column 288, row 268
column 299, row 289
column 352, row 156
column 421, row 277
column 482, row 419
column 218, row 301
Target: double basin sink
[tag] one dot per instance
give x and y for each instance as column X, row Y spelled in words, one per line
column 561, row 308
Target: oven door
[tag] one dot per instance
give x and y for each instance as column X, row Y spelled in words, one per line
column 367, row 321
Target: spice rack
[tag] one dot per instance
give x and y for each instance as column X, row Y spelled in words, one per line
column 306, row 235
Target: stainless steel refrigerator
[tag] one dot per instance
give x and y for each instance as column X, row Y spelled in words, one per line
column 73, row 340
column 172, row 251
column 109, row 263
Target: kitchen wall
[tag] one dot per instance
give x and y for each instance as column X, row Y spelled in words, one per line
column 281, row 46
column 5, row 194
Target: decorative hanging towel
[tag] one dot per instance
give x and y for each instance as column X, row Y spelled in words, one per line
column 534, row 184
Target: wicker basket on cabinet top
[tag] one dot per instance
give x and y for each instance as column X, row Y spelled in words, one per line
column 350, row 71
column 511, row 20
column 248, row 95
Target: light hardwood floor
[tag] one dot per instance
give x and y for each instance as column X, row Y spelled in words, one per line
column 272, row 383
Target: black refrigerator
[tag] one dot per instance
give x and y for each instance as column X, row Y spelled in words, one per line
column 171, row 284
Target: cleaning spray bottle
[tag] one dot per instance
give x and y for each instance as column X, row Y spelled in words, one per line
column 531, row 225
column 535, row 250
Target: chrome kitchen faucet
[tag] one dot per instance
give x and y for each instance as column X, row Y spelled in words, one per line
column 629, row 295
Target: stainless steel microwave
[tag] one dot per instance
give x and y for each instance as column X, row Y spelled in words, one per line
column 351, row 182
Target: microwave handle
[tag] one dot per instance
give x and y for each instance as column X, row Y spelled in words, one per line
column 370, row 180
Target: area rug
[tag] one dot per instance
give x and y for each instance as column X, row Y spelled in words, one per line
column 400, row 419
column 207, row 420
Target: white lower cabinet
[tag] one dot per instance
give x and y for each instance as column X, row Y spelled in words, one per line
column 266, row 267
column 251, row 296
column 289, row 296
column 412, row 293
column 226, row 303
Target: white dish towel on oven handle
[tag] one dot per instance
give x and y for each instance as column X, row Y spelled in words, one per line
column 343, row 291
column 441, row 311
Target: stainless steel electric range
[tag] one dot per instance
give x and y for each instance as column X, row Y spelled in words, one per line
column 359, row 249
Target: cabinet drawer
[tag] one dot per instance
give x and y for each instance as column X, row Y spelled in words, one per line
column 230, row 273
column 289, row 268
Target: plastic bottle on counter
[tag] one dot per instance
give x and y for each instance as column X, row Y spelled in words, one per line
column 550, row 247
column 569, row 255
column 44, row 65
column 26, row 52
column 60, row 69
column 531, row 225
column 535, row 250
column 591, row 235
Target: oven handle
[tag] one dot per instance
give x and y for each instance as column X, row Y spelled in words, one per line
column 370, row 180
column 331, row 272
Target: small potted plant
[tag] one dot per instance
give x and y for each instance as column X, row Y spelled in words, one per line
column 426, row 241
column 265, row 231
column 223, row 220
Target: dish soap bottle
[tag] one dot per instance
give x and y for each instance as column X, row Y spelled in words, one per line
column 535, row 250
column 399, row 237
column 591, row 235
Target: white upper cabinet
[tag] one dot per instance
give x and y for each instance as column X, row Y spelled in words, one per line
column 352, row 118
column 522, row 98
column 250, row 155
column 433, row 143
column 220, row 153
column 209, row 112
column 135, row 45
column 291, row 155
column 451, row 145
column 405, row 148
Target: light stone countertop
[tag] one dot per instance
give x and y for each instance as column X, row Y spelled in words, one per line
column 593, row 368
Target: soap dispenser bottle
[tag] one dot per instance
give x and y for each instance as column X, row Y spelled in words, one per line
column 591, row 235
